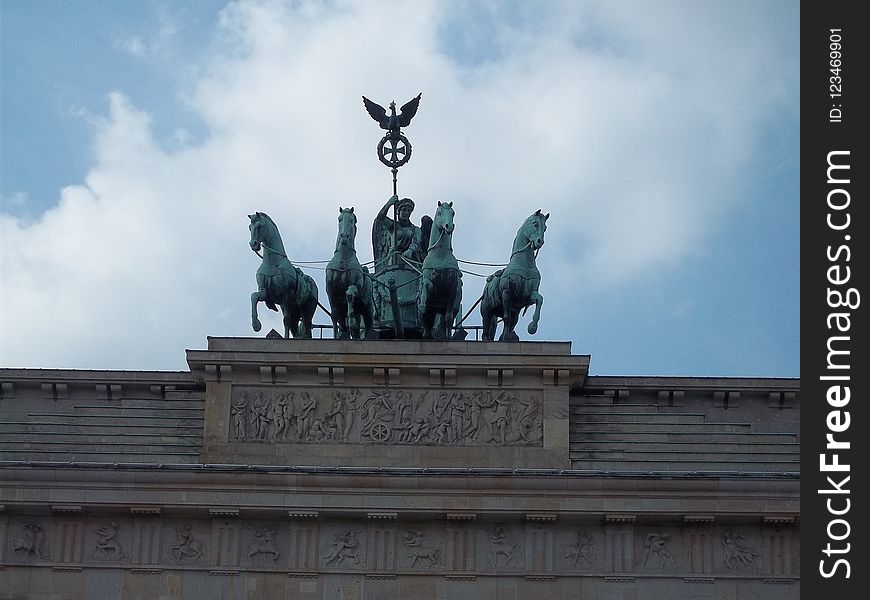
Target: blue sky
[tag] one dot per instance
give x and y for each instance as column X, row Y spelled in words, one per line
column 663, row 137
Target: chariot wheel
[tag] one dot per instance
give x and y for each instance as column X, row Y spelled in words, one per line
column 380, row 432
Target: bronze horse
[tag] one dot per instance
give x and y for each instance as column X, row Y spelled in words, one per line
column 348, row 284
column 279, row 282
column 441, row 282
column 515, row 287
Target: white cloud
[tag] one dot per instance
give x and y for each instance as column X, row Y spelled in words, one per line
column 156, row 42
column 629, row 124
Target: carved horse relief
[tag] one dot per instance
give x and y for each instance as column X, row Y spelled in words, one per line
column 441, row 282
column 279, row 282
column 510, row 290
column 348, row 284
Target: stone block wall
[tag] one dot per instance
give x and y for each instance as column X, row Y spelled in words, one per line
column 686, row 424
column 101, row 416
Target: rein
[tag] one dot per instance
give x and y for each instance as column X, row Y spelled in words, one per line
column 270, row 250
column 529, row 243
column 438, row 241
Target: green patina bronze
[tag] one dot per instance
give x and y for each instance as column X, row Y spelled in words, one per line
column 515, row 287
column 399, row 250
column 416, row 288
column 397, row 241
column 279, row 282
column 348, row 284
column 441, row 283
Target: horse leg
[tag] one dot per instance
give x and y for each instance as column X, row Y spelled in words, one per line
column 510, row 335
column 368, row 308
column 339, row 316
column 426, row 314
column 451, row 306
column 353, row 314
column 297, row 322
column 509, row 319
column 487, row 318
column 538, row 299
column 308, row 318
column 258, row 296
column 288, row 318
column 368, row 319
column 353, row 320
column 460, row 332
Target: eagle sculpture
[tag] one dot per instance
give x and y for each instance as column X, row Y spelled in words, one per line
column 393, row 122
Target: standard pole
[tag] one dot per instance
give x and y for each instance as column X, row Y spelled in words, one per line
column 395, row 217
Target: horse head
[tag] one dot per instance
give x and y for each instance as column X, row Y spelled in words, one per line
column 443, row 222
column 533, row 229
column 256, row 228
column 346, row 228
column 264, row 232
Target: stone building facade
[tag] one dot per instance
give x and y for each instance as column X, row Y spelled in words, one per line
column 396, row 470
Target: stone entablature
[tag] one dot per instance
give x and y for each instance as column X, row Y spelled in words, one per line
column 340, row 402
column 224, row 519
column 407, row 545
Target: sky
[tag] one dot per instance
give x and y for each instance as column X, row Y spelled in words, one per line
column 662, row 137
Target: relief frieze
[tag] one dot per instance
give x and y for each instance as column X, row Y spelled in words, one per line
column 186, row 547
column 344, row 547
column 737, row 554
column 30, row 542
column 386, row 416
column 261, row 547
column 421, row 551
column 580, row 552
column 107, row 546
column 429, row 546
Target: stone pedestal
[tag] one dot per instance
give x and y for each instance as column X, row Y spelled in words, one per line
column 378, row 403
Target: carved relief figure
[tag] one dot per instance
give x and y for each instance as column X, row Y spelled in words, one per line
column 323, row 429
column 342, row 412
column 475, row 408
column 655, row 545
column 260, row 416
column 440, row 418
column 281, row 415
column 417, row 551
column 404, row 408
column 239, row 413
column 343, row 547
column 419, row 430
column 501, row 547
column 456, row 431
column 31, row 541
column 306, row 415
column 738, row 556
column 498, row 420
column 579, row 550
column 107, row 545
column 185, row 546
column 264, row 543
column 525, row 420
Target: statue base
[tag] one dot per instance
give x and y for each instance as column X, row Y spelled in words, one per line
column 400, row 403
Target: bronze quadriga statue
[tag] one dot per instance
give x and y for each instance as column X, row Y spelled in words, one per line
column 510, row 290
column 348, row 284
column 279, row 282
column 416, row 288
column 441, row 281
